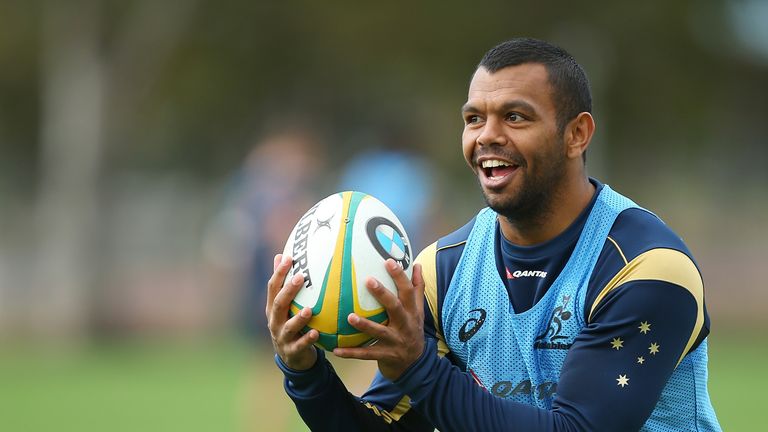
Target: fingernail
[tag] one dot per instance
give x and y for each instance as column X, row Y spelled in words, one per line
column 285, row 259
column 297, row 279
column 306, row 312
column 353, row 319
column 391, row 264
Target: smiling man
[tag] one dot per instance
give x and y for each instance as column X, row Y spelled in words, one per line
column 562, row 306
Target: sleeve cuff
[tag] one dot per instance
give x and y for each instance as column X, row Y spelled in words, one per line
column 306, row 383
column 415, row 381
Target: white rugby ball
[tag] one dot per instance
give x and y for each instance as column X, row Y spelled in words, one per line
column 339, row 242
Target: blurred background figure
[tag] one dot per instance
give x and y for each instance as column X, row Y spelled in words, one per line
column 278, row 181
column 395, row 171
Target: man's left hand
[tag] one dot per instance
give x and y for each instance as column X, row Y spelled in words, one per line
column 401, row 342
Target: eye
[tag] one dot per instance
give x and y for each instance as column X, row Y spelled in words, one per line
column 514, row 117
column 472, row 118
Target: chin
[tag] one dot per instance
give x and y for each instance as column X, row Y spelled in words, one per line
column 503, row 204
column 523, row 206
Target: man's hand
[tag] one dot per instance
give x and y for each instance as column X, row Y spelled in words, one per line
column 400, row 342
column 294, row 348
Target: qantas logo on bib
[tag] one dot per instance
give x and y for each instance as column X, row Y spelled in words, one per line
column 526, row 273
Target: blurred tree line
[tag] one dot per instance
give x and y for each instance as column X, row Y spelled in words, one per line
column 94, row 92
column 185, row 82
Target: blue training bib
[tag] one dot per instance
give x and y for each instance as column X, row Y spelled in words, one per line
column 520, row 356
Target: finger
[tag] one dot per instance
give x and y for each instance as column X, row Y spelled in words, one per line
column 278, row 258
column 294, row 325
column 419, row 285
column 288, row 292
column 368, row 327
column 381, row 293
column 363, row 353
column 282, row 302
column 404, row 286
column 276, row 281
column 304, row 341
column 391, row 304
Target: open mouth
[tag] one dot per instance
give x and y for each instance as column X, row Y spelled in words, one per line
column 496, row 170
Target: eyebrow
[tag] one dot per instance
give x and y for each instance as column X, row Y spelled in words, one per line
column 468, row 108
column 507, row 106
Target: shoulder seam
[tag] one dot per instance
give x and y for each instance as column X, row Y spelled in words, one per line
column 451, row 245
column 618, row 248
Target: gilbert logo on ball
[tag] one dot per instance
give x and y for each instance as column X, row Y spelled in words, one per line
column 337, row 244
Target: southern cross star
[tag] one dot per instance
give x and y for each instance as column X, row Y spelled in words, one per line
column 654, row 348
column 645, row 327
column 623, row 381
column 617, row 344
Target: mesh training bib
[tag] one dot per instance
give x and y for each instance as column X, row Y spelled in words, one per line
column 519, row 356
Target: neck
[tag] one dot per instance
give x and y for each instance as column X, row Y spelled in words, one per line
column 565, row 205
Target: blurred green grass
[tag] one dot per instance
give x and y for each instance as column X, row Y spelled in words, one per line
column 226, row 386
column 737, row 378
column 141, row 386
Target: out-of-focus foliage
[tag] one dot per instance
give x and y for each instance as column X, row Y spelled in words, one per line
column 189, row 82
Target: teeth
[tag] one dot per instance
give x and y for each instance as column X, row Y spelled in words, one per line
column 493, row 163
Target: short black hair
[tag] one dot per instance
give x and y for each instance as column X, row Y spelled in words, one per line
column 570, row 86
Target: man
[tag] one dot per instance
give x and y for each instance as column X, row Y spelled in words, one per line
column 562, row 306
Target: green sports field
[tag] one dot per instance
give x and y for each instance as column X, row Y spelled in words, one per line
column 226, row 386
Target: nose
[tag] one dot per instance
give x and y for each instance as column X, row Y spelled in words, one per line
column 491, row 133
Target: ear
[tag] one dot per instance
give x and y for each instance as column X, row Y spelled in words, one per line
column 578, row 133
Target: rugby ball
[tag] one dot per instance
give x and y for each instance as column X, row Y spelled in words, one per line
column 339, row 242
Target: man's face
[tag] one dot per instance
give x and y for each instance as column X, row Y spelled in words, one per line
column 511, row 139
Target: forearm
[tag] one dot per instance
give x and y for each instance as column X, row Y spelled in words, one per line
column 452, row 401
column 324, row 403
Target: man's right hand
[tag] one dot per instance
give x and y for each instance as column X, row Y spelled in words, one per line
column 294, row 348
